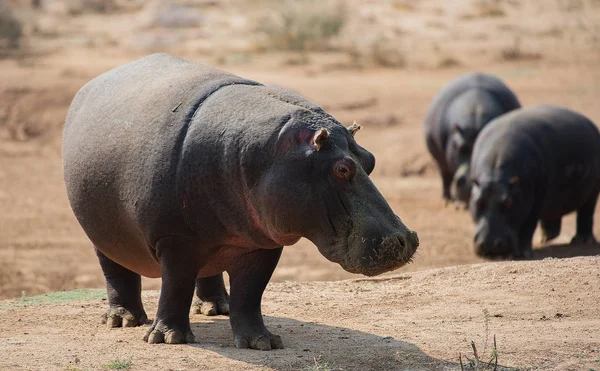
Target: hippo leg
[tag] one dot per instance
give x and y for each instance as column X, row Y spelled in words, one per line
column 446, row 183
column 585, row 222
column 123, row 288
column 550, row 229
column 211, row 296
column 525, row 237
column 179, row 270
column 249, row 278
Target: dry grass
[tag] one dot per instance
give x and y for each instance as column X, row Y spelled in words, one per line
column 378, row 52
column 11, row 30
column 303, row 25
column 476, row 362
column 516, row 53
column 448, row 62
column 489, row 9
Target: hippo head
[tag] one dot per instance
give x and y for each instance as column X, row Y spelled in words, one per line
column 459, row 150
column 468, row 115
column 498, row 209
column 318, row 187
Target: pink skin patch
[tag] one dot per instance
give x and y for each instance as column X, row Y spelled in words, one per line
column 299, row 137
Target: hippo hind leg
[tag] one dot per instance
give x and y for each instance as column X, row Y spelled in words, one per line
column 249, row 277
column 585, row 222
column 123, row 288
column 211, row 296
column 550, row 229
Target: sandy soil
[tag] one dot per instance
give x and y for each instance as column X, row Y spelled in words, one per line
column 42, row 248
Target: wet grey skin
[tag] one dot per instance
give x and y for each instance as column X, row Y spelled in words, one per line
column 455, row 118
column 533, row 164
column 180, row 171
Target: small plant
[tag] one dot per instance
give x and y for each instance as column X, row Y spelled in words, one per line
column 320, row 365
column 477, row 363
column 448, row 62
column 117, row 364
column 301, row 25
column 515, row 53
column 379, row 52
column 11, row 29
column 488, row 9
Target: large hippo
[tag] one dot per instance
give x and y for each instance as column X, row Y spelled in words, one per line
column 180, row 171
column 454, row 119
column 536, row 163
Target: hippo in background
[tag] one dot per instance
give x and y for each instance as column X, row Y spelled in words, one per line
column 454, row 119
column 181, row 171
column 533, row 164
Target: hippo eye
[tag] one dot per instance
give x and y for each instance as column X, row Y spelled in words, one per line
column 342, row 170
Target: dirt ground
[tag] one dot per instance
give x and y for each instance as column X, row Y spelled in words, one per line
column 544, row 315
column 544, row 312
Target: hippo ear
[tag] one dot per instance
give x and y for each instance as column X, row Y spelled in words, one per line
column 320, row 138
column 352, row 129
column 456, row 128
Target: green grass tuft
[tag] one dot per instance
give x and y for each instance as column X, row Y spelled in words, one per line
column 53, row 298
column 117, row 364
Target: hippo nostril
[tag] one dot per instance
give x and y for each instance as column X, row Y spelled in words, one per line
column 402, row 241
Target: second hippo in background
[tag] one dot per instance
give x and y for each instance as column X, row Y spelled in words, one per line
column 533, row 164
column 454, row 119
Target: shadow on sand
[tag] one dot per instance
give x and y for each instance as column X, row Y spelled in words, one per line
column 565, row 251
column 314, row 346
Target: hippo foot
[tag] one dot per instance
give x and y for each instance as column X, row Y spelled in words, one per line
column 121, row 317
column 211, row 307
column 549, row 234
column 260, row 341
column 584, row 240
column 547, row 237
column 160, row 333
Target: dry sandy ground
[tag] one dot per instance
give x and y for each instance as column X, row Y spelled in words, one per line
column 544, row 314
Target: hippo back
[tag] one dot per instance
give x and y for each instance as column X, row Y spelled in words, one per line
column 122, row 139
column 437, row 124
column 555, row 149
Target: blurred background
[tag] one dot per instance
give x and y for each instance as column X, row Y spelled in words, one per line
column 379, row 62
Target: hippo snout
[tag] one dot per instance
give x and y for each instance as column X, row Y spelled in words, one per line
column 461, row 186
column 387, row 253
column 491, row 247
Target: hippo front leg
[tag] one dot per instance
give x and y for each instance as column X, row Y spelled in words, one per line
column 211, row 296
column 525, row 249
column 249, row 277
column 180, row 266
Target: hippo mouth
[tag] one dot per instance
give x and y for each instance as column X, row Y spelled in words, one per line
column 372, row 257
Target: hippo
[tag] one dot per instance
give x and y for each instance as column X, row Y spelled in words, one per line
column 180, row 171
column 454, row 119
column 535, row 163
